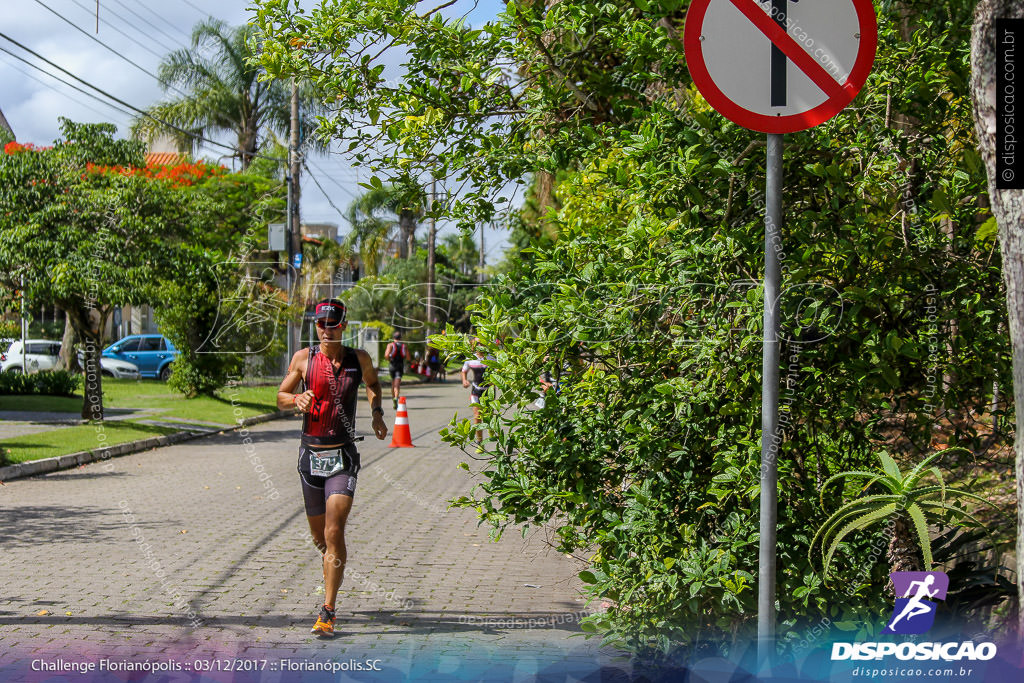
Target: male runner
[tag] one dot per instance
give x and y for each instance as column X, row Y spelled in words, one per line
column 396, row 353
column 328, row 460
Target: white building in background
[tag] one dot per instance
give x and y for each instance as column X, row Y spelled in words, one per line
column 320, row 231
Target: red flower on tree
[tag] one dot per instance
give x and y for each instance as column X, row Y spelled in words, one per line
column 14, row 147
column 182, row 174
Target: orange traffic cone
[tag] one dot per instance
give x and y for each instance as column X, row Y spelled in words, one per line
column 401, row 438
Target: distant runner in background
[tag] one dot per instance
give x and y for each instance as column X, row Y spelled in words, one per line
column 473, row 372
column 550, row 381
column 434, row 364
column 396, row 353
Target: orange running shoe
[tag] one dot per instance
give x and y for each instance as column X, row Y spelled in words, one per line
column 324, row 625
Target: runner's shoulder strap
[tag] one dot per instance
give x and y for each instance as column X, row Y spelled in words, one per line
column 309, row 368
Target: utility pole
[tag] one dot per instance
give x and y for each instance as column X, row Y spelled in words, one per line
column 24, row 328
column 480, row 273
column 431, row 239
column 292, row 227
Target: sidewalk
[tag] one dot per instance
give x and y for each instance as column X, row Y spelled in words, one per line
column 213, row 532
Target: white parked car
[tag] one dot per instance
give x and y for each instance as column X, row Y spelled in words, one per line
column 121, row 369
column 42, row 355
column 114, row 367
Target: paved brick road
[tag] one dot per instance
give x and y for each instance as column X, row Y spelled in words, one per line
column 425, row 590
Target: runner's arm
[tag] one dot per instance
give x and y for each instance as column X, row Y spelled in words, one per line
column 286, row 398
column 373, row 393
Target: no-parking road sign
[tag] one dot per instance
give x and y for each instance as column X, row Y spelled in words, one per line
column 779, row 66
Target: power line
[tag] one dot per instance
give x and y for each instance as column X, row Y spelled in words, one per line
column 123, row 103
column 104, row 21
column 153, row 38
column 145, row 7
column 322, row 190
column 58, row 78
column 335, row 181
column 147, row 22
column 102, row 44
column 59, row 92
column 201, row 11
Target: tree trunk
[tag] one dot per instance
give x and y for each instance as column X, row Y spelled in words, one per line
column 88, row 325
column 92, row 405
column 68, row 357
column 407, row 226
column 247, row 145
column 1008, row 209
column 904, row 555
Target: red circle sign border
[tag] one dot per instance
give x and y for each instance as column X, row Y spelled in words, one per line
column 868, row 27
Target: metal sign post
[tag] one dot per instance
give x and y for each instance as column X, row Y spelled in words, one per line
column 831, row 47
column 770, row 402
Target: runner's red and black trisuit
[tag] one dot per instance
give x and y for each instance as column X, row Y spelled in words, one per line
column 328, row 429
column 332, row 417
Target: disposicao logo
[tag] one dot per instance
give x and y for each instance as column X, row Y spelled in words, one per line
column 914, row 614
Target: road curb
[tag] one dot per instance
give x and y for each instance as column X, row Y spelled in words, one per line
column 71, row 460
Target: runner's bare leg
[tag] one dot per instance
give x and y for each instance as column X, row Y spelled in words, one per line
column 316, row 530
column 338, row 507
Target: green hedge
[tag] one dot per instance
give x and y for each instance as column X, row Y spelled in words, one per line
column 49, row 383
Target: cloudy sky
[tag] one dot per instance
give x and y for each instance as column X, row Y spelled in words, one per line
column 142, row 31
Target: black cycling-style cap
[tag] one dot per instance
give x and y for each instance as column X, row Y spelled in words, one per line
column 331, row 311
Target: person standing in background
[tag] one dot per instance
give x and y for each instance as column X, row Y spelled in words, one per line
column 473, row 373
column 396, row 353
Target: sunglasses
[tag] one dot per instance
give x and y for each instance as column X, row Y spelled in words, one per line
column 322, row 324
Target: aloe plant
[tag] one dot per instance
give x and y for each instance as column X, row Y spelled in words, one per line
column 909, row 502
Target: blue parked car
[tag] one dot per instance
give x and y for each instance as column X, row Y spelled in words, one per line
column 153, row 353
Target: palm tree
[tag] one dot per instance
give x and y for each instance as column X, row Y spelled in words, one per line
column 461, row 250
column 908, row 503
column 377, row 214
column 370, row 236
column 405, row 201
column 223, row 93
column 321, row 260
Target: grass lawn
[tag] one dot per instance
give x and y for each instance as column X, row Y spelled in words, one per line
column 57, row 404
column 73, row 439
column 156, row 395
column 225, row 408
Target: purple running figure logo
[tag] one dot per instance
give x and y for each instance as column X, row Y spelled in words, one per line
column 915, row 611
